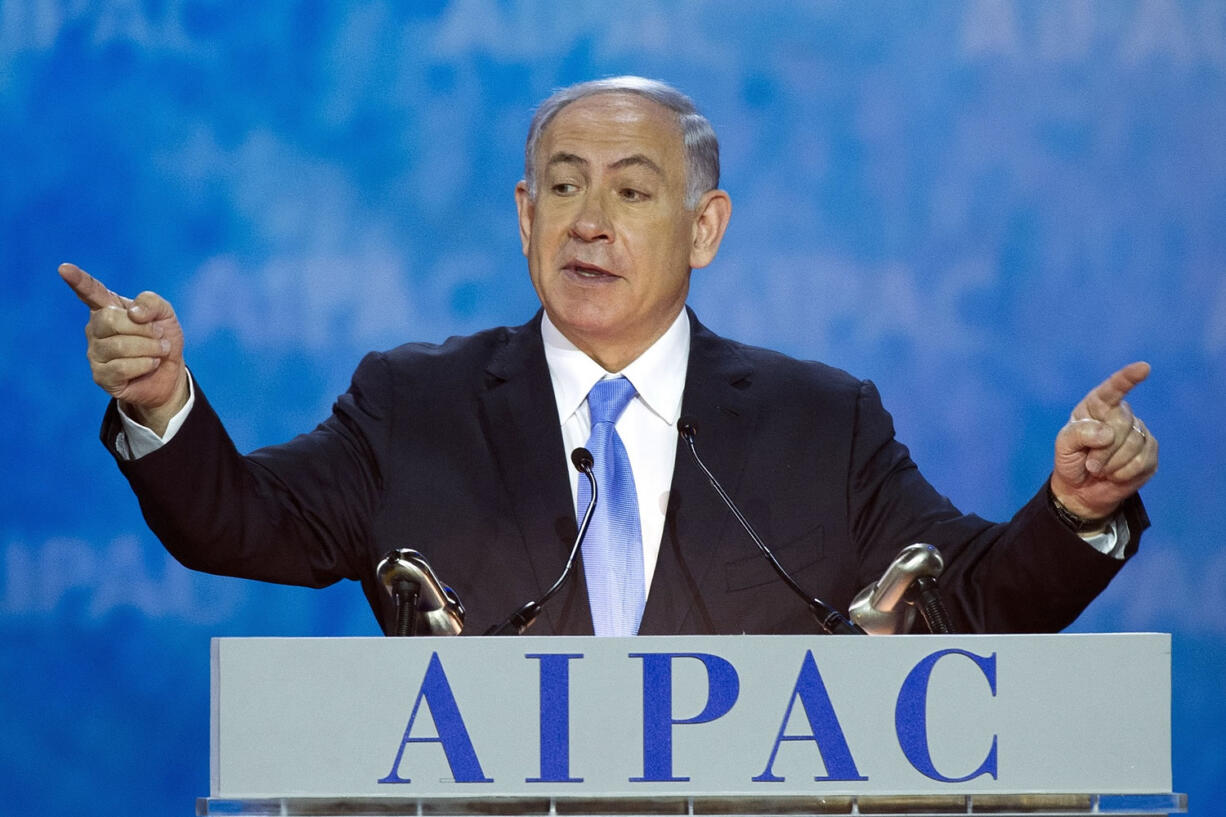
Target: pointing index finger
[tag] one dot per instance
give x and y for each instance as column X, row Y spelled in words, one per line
column 1111, row 392
column 89, row 289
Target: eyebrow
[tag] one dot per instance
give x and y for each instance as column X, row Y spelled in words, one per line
column 636, row 159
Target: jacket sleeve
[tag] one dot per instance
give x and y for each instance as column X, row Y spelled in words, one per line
column 297, row 513
column 1031, row 574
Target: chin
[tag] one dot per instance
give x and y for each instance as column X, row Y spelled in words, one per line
column 590, row 316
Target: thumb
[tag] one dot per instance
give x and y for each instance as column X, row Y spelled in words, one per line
column 1082, row 435
column 149, row 307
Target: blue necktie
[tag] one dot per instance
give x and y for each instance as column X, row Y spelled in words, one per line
column 613, row 548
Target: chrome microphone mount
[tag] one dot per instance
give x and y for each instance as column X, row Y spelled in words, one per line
column 907, row 586
column 423, row 603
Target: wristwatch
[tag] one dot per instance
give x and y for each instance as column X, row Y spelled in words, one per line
column 1077, row 524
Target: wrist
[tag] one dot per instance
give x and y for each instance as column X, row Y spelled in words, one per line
column 158, row 418
column 154, row 419
column 1078, row 523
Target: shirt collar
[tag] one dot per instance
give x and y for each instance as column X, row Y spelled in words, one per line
column 658, row 374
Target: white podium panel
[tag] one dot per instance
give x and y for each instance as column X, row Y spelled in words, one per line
column 691, row 722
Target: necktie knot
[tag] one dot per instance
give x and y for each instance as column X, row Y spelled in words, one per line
column 609, row 398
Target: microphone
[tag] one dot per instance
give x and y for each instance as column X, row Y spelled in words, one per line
column 831, row 620
column 910, row 582
column 420, row 596
column 523, row 618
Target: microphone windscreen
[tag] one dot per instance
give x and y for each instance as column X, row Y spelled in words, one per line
column 581, row 458
column 687, row 427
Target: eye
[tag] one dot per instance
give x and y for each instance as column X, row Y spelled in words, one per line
column 632, row 195
column 563, row 188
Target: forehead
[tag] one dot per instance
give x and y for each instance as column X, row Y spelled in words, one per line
column 606, row 127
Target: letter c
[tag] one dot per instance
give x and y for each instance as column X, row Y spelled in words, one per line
column 911, row 716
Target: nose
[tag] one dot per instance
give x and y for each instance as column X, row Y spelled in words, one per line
column 591, row 222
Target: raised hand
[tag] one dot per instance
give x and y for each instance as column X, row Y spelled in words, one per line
column 1104, row 454
column 135, row 349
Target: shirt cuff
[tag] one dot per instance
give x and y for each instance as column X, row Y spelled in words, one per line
column 136, row 440
column 1113, row 541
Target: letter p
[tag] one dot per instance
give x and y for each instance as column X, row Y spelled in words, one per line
column 723, row 687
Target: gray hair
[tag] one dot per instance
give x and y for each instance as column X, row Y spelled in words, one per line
column 701, row 146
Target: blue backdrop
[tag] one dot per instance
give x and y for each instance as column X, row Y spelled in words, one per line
column 984, row 207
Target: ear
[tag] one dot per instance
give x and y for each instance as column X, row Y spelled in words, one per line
column 710, row 220
column 526, row 208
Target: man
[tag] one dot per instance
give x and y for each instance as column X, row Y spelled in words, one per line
column 460, row 450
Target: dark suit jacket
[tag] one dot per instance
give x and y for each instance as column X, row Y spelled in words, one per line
column 456, row 450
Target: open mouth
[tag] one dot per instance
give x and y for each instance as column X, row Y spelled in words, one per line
column 589, row 272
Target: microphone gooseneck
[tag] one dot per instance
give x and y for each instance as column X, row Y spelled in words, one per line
column 522, row 619
column 407, row 593
column 928, row 599
column 830, row 619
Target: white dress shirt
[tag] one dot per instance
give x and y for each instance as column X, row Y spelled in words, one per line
column 648, row 426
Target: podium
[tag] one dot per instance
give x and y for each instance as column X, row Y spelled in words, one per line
column 692, row 725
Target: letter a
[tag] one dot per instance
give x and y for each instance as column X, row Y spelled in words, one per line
column 452, row 734
column 824, row 728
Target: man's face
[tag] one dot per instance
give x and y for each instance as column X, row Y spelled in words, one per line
column 608, row 238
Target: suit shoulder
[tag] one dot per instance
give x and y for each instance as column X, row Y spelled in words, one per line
column 457, row 355
column 773, row 369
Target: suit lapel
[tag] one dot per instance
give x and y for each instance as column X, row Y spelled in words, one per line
column 521, row 424
column 698, row 526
